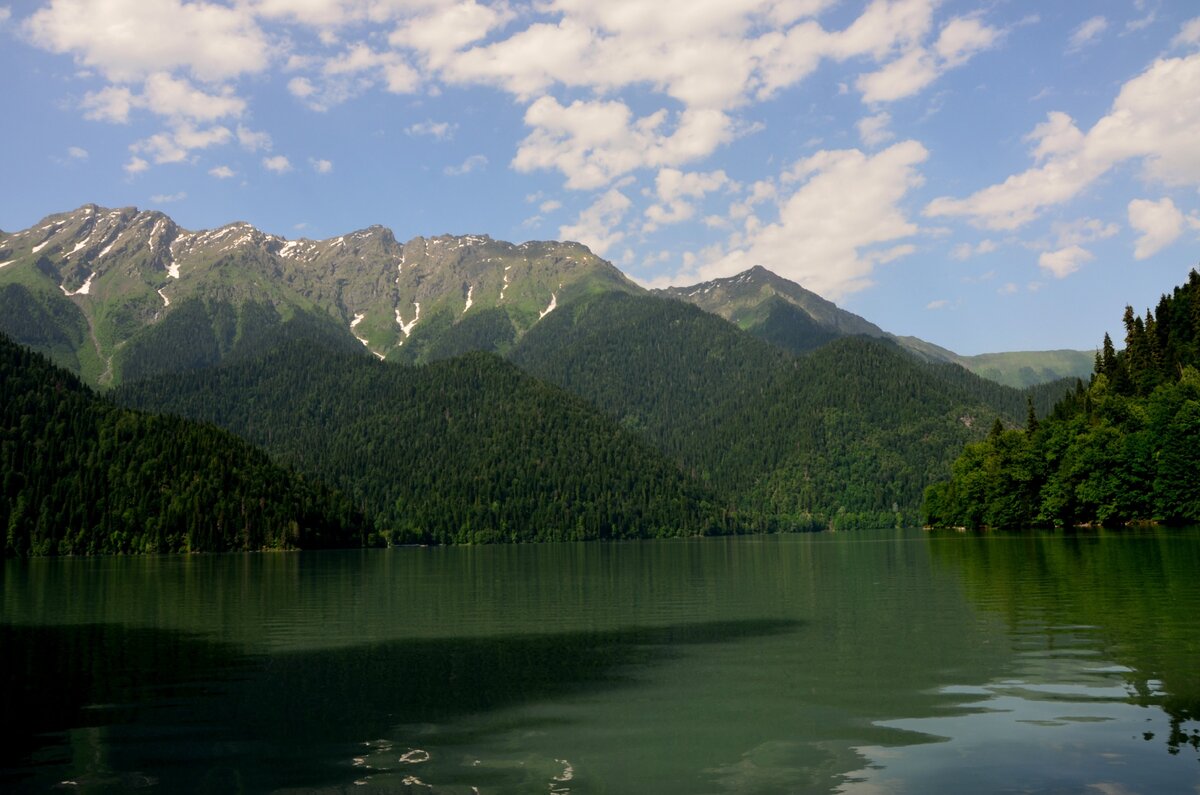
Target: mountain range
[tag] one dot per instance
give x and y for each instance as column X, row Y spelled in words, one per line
column 529, row 391
column 119, row 294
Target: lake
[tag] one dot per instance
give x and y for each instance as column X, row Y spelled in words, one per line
column 864, row 662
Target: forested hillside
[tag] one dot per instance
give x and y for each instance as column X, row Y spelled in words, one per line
column 1126, row 447
column 849, row 434
column 82, row 476
column 466, row 450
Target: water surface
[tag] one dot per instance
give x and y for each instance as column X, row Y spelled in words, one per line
column 891, row 662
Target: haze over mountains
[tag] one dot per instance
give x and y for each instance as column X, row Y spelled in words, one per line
column 115, row 294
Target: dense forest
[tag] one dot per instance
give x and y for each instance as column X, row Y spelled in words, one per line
column 847, row 435
column 466, row 450
column 82, row 476
column 1126, row 447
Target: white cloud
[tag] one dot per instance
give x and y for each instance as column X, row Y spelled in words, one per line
column 110, row 104
column 440, row 130
column 472, row 163
column 873, row 130
column 321, row 166
column 1153, row 119
column 597, row 227
column 1087, row 33
column 167, row 198
column 279, row 164
column 136, row 165
column 5, row 15
column 1189, row 35
column 550, row 206
column 1009, row 288
column 129, row 40
column 222, row 172
column 177, row 98
column 77, row 153
column 940, row 303
column 831, row 247
column 676, row 192
column 1160, row 224
column 175, row 145
column 594, row 142
column 1064, row 261
column 253, row 140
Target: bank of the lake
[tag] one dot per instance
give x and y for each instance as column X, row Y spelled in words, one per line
column 816, row 663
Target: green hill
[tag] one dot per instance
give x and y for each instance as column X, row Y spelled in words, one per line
column 83, row 476
column 465, row 450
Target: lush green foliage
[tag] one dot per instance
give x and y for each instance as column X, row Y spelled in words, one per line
column 82, row 476
column 1125, row 448
column 849, row 435
column 466, row 450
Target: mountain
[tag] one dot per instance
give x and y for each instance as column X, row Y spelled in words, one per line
column 850, row 433
column 783, row 313
column 81, row 476
column 465, row 450
column 114, row 294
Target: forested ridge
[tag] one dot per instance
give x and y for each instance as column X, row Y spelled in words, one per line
column 1126, row 447
column 847, row 435
column 466, row 450
column 83, row 476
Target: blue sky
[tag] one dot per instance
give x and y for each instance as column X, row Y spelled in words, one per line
column 990, row 175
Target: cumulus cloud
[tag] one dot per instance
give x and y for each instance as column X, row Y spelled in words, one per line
column 965, row 251
column 831, row 247
column 135, row 165
column 598, row 227
column 279, row 164
column 210, row 40
column 873, row 130
column 253, row 140
column 77, row 153
column 222, row 172
column 1064, row 261
column 1160, row 224
column 940, row 303
column 321, row 166
column 167, row 198
column 1153, row 119
column 1189, row 35
column 677, row 191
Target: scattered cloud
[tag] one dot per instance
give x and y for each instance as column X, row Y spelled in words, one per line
column 77, row 153
column 1159, row 223
column 222, row 172
column 965, row 251
column 1064, row 261
column 1082, row 231
column 550, row 205
column 253, row 141
column 831, row 247
column 1189, row 35
column 439, row 130
column 1087, row 34
column 677, row 193
column 135, row 165
column 1153, row 119
column 1008, row 288
column 940, row 303
column 320, row 166
column 279, row 164
column 598, row 227
column 472, row 163
column 168, row 198
column 873, row 130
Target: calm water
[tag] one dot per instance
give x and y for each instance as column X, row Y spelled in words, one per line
column 896, row 662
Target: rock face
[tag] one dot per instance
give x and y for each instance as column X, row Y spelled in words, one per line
column 86, row 285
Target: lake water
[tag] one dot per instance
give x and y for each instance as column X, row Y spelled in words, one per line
column 890, row 662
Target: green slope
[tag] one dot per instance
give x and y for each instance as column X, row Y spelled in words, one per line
column 82, row 476
column 849, row 434
column 465, row 450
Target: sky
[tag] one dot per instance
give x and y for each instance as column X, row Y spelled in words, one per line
column 988, row 175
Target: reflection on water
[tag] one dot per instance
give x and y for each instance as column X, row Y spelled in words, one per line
column 863, row 663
